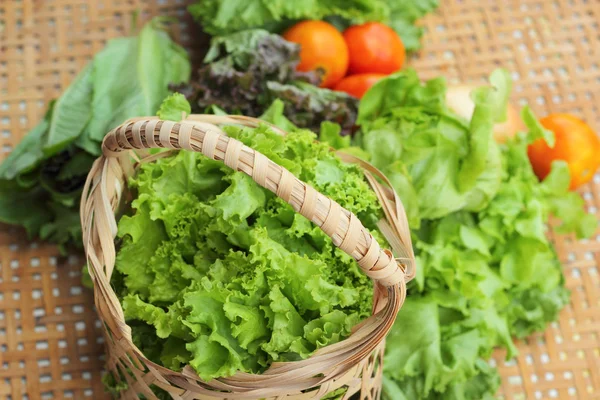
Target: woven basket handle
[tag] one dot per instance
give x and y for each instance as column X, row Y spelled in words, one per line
column 344, row 228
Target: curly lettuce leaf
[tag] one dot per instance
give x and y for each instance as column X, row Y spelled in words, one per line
column 407, row 129
column 174, row 107
column 274, row 115
column 230, row 275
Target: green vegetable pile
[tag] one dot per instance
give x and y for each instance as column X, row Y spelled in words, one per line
column 41, row 180
column 222, row 17
column 486, row 271
column 217, row 272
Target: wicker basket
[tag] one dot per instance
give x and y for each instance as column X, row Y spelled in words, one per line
column 354, row 364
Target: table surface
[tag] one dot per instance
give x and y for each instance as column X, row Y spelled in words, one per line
column 50, row 341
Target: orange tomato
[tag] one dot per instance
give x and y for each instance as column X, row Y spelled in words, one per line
column 357, row 85
column 374, row 48
column 576, row 143
column 322, row 46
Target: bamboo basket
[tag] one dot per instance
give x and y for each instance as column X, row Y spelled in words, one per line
column 354, row 364
column 51, row 345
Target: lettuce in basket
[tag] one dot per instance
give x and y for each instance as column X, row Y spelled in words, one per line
column 42, row 178
column 227, row 276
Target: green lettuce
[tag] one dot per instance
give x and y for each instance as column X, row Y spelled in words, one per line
column 229, row 277
column 174, row 107
column 403, row 15
column 431, row 153
column 222, row 17
column 486, row 269
column 42, row 178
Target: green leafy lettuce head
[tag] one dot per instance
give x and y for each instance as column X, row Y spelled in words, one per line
column 486, row 269
column 227, row 276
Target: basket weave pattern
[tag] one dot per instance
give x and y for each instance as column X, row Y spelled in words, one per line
column 355, row 363
column 50, row 340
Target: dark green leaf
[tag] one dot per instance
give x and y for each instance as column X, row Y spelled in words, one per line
column 72, row 112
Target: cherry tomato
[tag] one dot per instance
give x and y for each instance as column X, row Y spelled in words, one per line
column 576, row 143
column 322, row 46
column 357, row 85
column 374, row 48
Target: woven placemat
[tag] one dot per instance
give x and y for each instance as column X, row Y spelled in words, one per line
column 49, row 337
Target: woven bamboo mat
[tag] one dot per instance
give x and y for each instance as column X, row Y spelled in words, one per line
column 49, row 338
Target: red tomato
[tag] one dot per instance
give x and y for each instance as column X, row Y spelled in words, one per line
column 357, row 85
column 374, row 48
column 576, row 143
column 322, row 46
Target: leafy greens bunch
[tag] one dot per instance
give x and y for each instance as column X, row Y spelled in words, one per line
column 486, row 270
column 246, row 71
column 217, row 272
column 41, row 180
column 222, row 17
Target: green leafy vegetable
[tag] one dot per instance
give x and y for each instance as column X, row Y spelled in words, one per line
column 246, row 72
column 487, row 271
column 415, row 139
column 222, row 17
column 404, row 14
column 41, row 180
column 132, row 75
column 536, row 130
column 71, row 113
column 228, row 276
column 174, row 107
